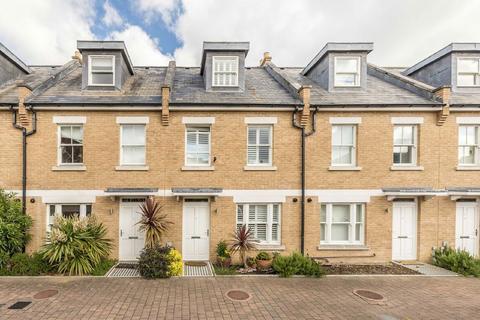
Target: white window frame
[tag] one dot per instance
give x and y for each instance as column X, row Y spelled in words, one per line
column 414, row 145
column 58, row 211
column 477, row 75
column 59, row 144
column 352, row 225
column 214, row 58
column 353, row 160
column 90, row 83
column 357, row 73
column 476, row 161
column 209, row 145
column 245, row 221
column 257, row 145
column 122, row 145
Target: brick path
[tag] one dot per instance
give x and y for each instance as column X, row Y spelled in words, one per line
column 411, row 297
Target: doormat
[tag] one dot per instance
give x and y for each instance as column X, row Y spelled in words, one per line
column 196, row 263
column 20, row 305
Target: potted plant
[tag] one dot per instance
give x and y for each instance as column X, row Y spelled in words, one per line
column 252, row 262
column 242, row 242
column 224, row 259
column 264, row 260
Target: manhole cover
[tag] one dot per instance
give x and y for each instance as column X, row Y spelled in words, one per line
column 20, row 305
column 45, row 294
column 195, row 263
column 238, row 295
column 369, row 295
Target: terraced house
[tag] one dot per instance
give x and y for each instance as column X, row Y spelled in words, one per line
column 339, row 159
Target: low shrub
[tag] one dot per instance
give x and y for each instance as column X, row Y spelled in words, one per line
column 458, row 261
column 76, row 245
column 22, row 264
column 225, row 271
column 102, row 268
column 160, row 262
column 296, row 264
column 264, row 256
column 14, row 225
column 222, row 249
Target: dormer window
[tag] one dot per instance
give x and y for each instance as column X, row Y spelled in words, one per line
column 347, row 72
column 101, row 70
column 468, row 72
column 225, row 71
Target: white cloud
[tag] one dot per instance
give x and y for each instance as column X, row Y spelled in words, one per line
column 45, row 32
column 167, row 9
column 143, row 49
column 403, row 32
column 111, row 17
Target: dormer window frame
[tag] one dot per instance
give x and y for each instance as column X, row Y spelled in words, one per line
column 236, row 84
column 90, row 78
column 476, row 75
column 358, row 80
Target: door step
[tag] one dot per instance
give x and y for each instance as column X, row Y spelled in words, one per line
column 197, row 269
column 124, row 270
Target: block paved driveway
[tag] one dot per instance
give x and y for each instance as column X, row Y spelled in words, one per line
column 410, row 297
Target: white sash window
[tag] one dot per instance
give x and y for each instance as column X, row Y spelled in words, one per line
column 197, row 152
column 259, row 146
column 262, row 219
column 342, row 223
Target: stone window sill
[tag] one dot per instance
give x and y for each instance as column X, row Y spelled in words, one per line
column 406, row 168
column 260, row 168
column 333, row 247
column 270, row 247
column 69, row 168
column 346, row 168
column 206, row 168
column 131, row 168
column 468, row 168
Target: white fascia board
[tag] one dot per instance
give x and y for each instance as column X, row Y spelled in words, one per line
column 406, row 120
column 133, row 120
column 261, row 120
column 69, row 119
column 345, row 196
column 198, row 120
column 468, row 120
column 345, row 120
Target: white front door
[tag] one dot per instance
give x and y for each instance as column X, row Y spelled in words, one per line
column 196, row 230
column 404, row 231
column 466, row 237
column 132, row 240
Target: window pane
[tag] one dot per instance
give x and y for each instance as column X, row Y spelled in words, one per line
column 69, row 211
column 345, row 79
column 275, row 232
column 346, row 65
column 77, row 154
column 202, row 158
column 252, row 155
column 66, row 135
column 468, row 65
column 263, row 155
column 336, row 135
column 407, row 137
column 77, row 135
column 88, row 211
column 240, row 214
column 262, row 211
column 340, row 213
column 342, row 155
column 102, row 63
column 347, row 135
column 252, row 135
column 133, row 155
column 358, row 231
column 251, row 213
column 322, row 232
column 323, row 213
column 340, row 232
column 133, row 134
column 261, row 232
column 264, row 135
column 67, row 154
column 102, row 78
column 402, row 155
column 276, row 213
column 359, row 215
column 466, row 155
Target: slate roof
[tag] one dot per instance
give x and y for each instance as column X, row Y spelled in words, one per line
column 377, row 92
column 460, row 99
column 260, row 89
column 39, row 74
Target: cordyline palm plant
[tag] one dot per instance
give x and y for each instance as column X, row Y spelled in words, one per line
column 242, row 242
column 153, row 222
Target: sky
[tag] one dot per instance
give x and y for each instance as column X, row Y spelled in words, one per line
column 293, row 31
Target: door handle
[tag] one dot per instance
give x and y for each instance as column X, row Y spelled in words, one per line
column 132, row 237
column 402, row 237
column 464, row 237
column 208, row 232
column 195, row 237
column 121, row 232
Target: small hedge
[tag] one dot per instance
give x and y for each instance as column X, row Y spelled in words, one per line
column 458, row 261
column 296, row 264
column 160, row 262
column 22, row 264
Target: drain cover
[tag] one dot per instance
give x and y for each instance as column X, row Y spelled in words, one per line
column 19, row 305
column 45, row 294
column 369, row 295
column 195, row 263
column 238, row 295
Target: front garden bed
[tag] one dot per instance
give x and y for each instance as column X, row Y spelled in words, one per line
column 357, row 269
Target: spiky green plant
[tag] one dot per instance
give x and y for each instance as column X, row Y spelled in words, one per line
column 242, row 241
column 76, row 245
column 153, row 222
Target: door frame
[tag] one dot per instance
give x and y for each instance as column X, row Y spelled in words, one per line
column 125, row 204
column 475, row 204
column 413, row 203
column 190, row 202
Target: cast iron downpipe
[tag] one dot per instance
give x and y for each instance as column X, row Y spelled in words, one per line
column 303, row 172
column 25, row 134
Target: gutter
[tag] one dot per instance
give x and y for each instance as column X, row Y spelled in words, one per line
column 25, row 134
